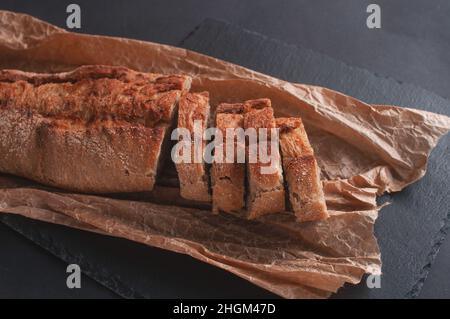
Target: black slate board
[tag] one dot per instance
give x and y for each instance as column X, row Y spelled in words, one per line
column 21, row 256
column 409, row 231
column 295, row 64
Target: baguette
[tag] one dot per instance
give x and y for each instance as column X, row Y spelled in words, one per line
column 228, row 179
column 102, row 129
column 265, row 190
column 96, row 129
column 301, row 171
column 193, row 177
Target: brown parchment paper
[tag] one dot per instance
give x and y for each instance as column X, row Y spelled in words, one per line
column 363, row 151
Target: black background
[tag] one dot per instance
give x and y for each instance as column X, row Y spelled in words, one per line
column 412, row 46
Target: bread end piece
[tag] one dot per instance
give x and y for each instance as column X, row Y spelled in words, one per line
column 301, row 171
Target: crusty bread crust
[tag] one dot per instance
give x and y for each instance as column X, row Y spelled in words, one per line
column 265, row 191
column 301, row 171
column 230, row 108
column 95, row 72
column 97, row 129
column 148, row 100
column 259, row 114
column 193, row 177
column 228, row 179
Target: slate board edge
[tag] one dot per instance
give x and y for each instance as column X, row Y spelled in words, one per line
column 442, row 233
column 439, row 239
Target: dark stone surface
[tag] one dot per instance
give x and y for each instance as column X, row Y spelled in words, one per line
column 297, row 64
column 22, row 256
column 412, row 46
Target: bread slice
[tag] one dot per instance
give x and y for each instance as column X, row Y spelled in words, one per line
column 265, row 190
column 228, row 179
column 96, row 129
column 193, row 176
column 301, row 171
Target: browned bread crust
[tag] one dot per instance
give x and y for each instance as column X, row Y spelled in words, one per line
column 193, row 177
column 301, row 171
column 230, row 108
column 96, row 129
column 228, row 179
column 259, row 114
column 265, row 191
column 147, row 100
column 95, row 72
